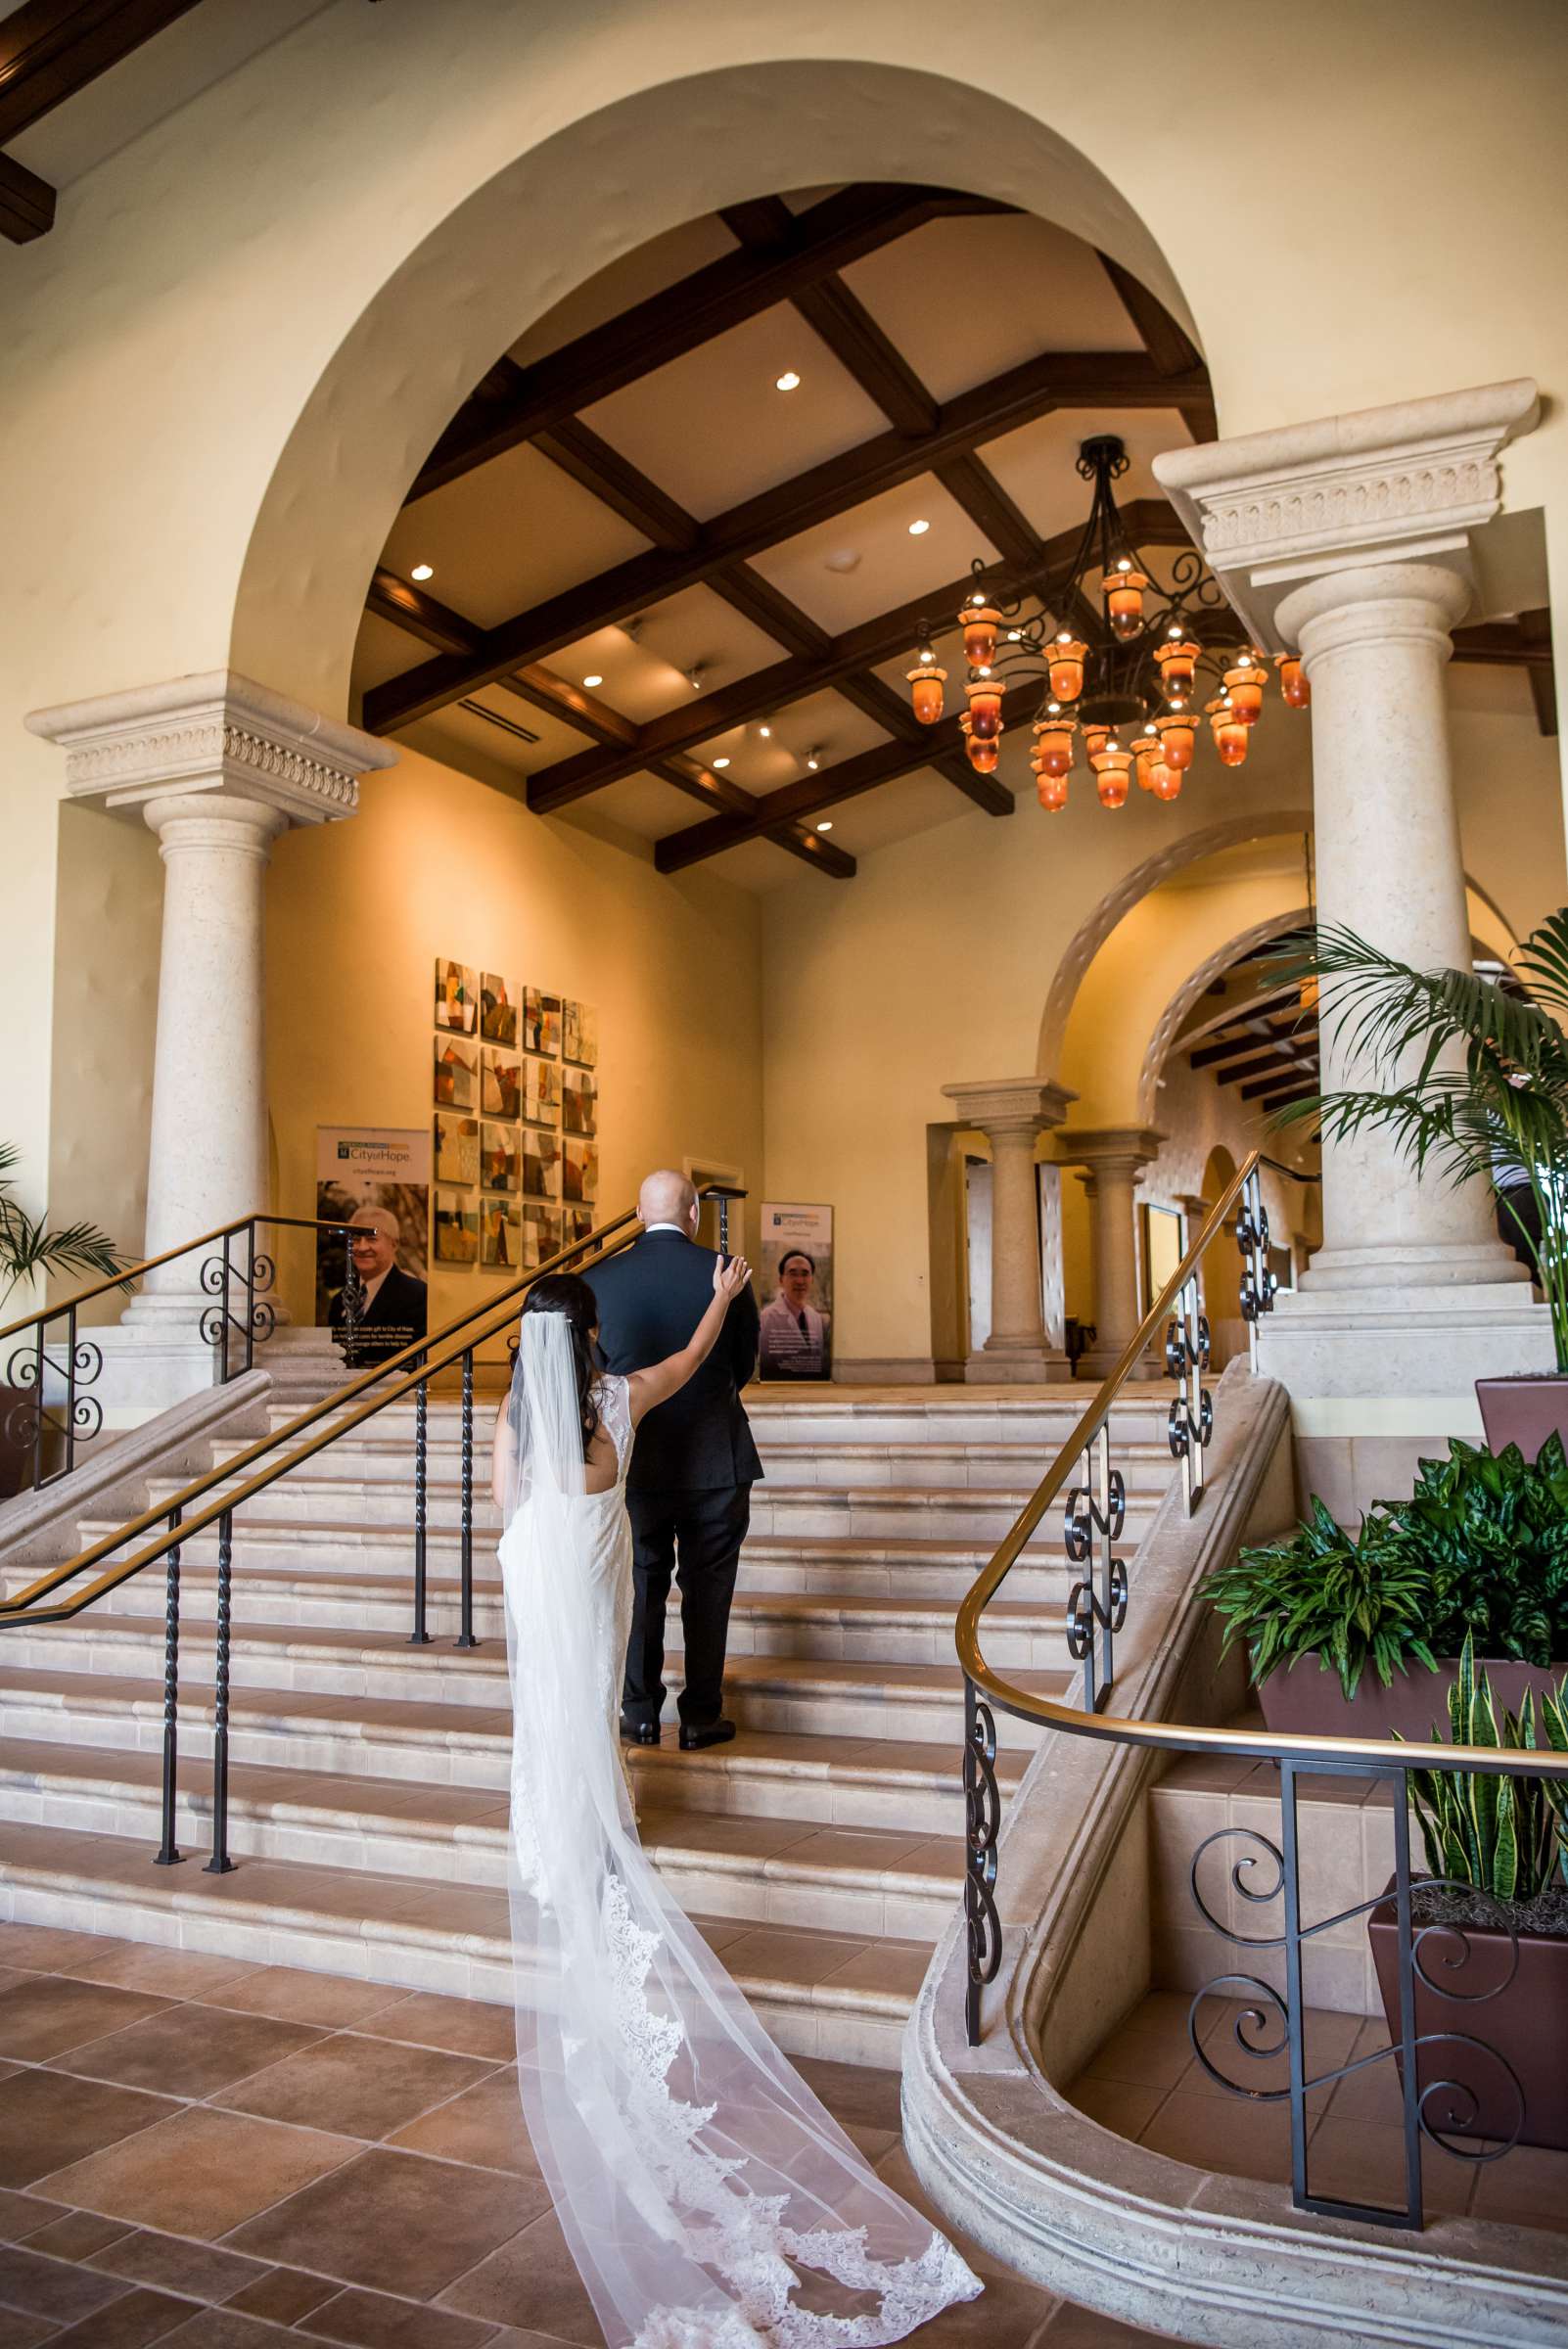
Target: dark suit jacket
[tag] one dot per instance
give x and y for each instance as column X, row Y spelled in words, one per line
column 651, row 1298
column 398, row 1314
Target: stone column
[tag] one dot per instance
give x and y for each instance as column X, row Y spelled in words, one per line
column 1011, row 1113
column 217, row 767
column 1360, row 542
column 1113, row 1158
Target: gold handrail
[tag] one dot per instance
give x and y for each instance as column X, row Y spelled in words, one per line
column 1180, row 1736
column 422, row 1361
column 120, row 1280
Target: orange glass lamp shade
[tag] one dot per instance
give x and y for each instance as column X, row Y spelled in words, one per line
column 980, row 623
column 1178, row 661
column 984, row 709
column 1147, row 752
column 1053, row 744
column 1294, row 690
column 1179, row 739
column 982, row 755
column 1229, row 731
column 1123, row 588
column 1052, row 791
column 1166, row 783
column 925, row 692
column 1245, row 686
column 1065, row 661
column 1095, row 739
column 1113, row 771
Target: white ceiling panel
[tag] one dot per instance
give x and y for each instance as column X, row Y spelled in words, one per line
column 382, row 651
column 824, row 723
column 621, row 284
column 644, row 805
column 889, row 566
column 1037, row 464
column 649, row 671
column 507, row 535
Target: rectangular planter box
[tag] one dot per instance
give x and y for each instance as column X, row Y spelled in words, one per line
column 1524, row 2023
column 1523, row 1410
column 1303, row 1700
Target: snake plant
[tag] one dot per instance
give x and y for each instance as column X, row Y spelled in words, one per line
column 1506, row 1836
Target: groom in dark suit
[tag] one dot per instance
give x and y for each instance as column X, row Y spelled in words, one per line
column 689, row 1491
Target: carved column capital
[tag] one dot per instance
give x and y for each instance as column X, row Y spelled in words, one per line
column 1010, row 1104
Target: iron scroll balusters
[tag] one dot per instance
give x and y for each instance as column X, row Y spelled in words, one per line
column 982, row 1825
column 420, row 1637
column 1096, row 1605
column 32, row 1368
column 168, row 1853
column 220, row 1865
column 465, row 1638
column 1257, row 1282
column 1187, row 1358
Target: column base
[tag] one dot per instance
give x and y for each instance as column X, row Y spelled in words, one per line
column 1405, row 1340
column 1445, row 1264
column 1097, row 1362
column 994, row 1365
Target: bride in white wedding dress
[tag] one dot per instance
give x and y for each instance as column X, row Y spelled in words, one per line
column 709, row 2199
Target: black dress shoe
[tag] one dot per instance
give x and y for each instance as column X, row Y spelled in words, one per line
column 715, row 1732
column 639, row 1733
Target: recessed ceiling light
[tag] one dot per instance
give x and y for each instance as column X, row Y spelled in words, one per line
column 828, row 827
column 722, row 763
column 813, row 761
column 694, row 677
column 595, row 679
column 918, row 530
column 789, row 380
column 766, row 732
column 423, row 570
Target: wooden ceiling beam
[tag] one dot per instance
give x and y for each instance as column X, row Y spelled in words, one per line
column 1253, row 1007
column 1167, row 343
column 1273, row 1101
column 425, row 616
column 27, row 203
column 840, row 228
column 48, row 50
column 1286, row 1076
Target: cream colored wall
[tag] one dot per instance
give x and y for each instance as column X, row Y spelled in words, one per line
column 437, row 863
column 223, row 366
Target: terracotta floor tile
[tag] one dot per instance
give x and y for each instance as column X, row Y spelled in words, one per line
column 357, row 2087
column 853, row 2092
column 78, row 2235
column 200, row 2173
column 190, row 2051
column 18, row 2332
column 1527, row 2187
column 376, row 2321
column 897, row 2172
column 483, row 2125
column 129, row 2322
column 392, row 2220
column 871, row 2143
column 49, row 2120
column 23, row 2215
column 225, row 2328
column 1082, row 2329
column 51, row 2012
column 51, row 2287
column 1363, row 2161
column 196, row 2271
column 1116, row 2104
column 171, row 1973
column 462, row 2026
column 1225, row 2133
column 1140, row 2055
column 45, row 1948
column 295, row 1997
column 284, row 2296
column 1008, row 2311
column 534, row 2276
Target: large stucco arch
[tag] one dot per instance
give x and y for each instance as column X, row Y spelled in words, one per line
column 548, row 217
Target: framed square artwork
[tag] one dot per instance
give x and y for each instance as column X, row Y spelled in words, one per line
column 541, row 1092
column 500, row 1158
column 457, row 1149
column 580, row 1093
column 580, row 1033
column 457, row 1228
column 501, row 1234
column 500, row 1084
column 541, row 1164
column 576, row 1225
column 579, row 1171
column 499, row 1011
column 541, row 1023
column 541, row 1234
column 457, row 996
column 456, row 1073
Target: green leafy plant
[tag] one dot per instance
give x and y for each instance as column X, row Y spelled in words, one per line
column 1352, row 1599
column 1491, row 1530
column 1506, row 1836
column 28, row 1247
column 1467, row 1074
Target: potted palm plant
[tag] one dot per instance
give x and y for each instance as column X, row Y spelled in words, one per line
column 1473, row 1082
column 30, row 1249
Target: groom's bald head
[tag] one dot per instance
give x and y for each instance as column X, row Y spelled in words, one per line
column 668, row 1198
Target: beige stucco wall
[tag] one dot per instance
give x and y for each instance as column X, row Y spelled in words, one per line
column 221, row 369
column 437, row 863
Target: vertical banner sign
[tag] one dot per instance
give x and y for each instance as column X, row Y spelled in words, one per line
column 797, row 1292
column 375, row 1179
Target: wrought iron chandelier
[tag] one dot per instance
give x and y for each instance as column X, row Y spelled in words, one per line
column 1128, row 674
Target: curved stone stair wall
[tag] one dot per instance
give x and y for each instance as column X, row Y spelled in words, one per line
column 368, row 1797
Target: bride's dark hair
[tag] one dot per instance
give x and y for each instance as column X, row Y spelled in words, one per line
column 565, row 1294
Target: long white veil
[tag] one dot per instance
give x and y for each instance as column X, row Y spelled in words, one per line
column 708, row 2198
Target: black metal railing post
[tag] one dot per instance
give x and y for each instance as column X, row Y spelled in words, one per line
column 1257, row 1282
column 420, row 1637
column 220, row 1864
column 465, row 1638
column 168, row 1853
column 250, row 1295
column 40, row 1364
column 1096, row 1603
column 1190, row 1423
column 982, row 1826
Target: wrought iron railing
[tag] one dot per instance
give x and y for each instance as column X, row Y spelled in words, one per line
column 51, row 1367
column 1448, row 1948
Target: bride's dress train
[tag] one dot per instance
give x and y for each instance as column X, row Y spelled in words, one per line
column 709, row 2199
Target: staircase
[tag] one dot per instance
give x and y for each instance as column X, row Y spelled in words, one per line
column 823, row 1850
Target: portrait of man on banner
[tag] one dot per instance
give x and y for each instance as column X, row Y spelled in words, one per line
column 375, row 1182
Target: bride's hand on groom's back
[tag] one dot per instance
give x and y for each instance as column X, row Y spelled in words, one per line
column 731, row 1275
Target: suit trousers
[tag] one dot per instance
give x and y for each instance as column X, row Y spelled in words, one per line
column 695, row 1537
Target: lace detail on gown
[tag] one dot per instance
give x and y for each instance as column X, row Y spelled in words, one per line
column 701, row 2186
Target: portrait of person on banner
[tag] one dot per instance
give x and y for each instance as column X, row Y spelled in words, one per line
column 796, row 1335
column 376, row 1182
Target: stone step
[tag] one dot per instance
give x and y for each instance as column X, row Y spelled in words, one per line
column 840, row 1996
column 822, row 1696
column 837, row 1782
column 867, row 1881
column 905, row 1631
